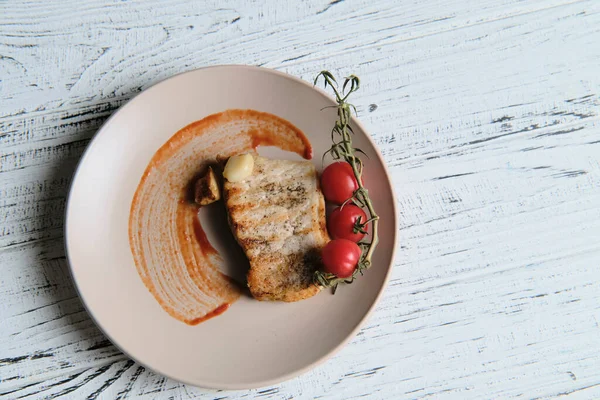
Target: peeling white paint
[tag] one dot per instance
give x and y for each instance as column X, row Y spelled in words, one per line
column 487, row 112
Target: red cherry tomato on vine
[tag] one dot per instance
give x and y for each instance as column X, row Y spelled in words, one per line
column 341, row 222
column 340, row 257
column 338, row 182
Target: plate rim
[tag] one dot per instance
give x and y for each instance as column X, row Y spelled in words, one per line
column 280, row 378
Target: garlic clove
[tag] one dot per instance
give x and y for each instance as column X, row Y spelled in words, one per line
column 239, row 167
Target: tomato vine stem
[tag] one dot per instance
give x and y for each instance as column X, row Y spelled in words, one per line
column 343, row 150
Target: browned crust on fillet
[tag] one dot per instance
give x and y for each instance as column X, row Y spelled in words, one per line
column 278, row 217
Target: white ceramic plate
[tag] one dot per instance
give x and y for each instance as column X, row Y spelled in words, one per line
column 253, row 344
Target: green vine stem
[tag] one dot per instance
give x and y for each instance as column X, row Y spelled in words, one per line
column 342, row 149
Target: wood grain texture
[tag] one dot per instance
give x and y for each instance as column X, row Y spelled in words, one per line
column 487, row 113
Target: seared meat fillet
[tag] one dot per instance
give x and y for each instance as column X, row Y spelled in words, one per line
column 277, row 215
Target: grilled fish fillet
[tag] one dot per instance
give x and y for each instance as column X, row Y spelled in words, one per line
column 277, row 215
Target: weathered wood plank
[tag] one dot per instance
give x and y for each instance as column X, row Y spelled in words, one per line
column 486, row 112
column 89, row 44
column 47, row 333
column 420, row 129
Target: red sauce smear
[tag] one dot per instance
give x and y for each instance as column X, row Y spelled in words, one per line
column 202, row 239
column 214, row 313
column 172, row 253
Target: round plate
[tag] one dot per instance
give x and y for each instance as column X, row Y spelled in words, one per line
column 254, row 343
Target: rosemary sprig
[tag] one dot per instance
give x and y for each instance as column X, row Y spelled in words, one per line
column 342, row 149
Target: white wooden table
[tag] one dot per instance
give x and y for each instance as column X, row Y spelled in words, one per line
column 487, row 113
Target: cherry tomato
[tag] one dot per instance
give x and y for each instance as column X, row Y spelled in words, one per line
column 338, row 182
column 341, row 222
column 340, row 257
